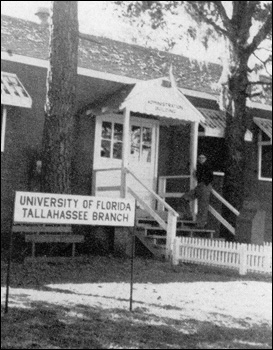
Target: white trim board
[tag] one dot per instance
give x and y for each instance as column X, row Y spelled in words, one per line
column 81, row 71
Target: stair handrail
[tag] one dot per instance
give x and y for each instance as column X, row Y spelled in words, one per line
column 214, row 212
column 225, row 202
column 218, row 216
column 171, row 220
column 171, row 224
column 154, row 194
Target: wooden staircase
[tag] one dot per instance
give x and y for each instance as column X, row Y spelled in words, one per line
column 153, row 237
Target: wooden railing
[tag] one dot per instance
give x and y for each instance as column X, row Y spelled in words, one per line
column 171, row 224
column 164, row 194
column 218, row 216
column 162, row 187
column 95, row 188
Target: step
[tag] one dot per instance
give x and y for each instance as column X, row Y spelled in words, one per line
column 156, row 249
column 153, row 223
column 140, row 213
column 183, row 231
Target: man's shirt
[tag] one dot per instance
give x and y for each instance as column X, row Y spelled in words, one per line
column 204, row 173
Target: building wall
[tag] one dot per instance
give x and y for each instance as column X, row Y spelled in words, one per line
column 22, row 141
column 256, row 190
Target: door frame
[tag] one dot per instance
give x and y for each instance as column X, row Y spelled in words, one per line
column 114, row 117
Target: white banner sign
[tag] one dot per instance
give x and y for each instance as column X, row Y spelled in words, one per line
column 48, row 208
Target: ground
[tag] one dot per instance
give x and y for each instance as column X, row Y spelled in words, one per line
column 87, row 306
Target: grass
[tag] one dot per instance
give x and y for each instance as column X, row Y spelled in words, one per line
column 86, row 306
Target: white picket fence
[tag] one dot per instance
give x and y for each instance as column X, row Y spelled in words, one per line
column 242, row 257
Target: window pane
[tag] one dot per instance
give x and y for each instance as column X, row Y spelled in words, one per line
column 105, row 149
column 118, row 132
column 106, row 131
column 135, row 141
column 266, row 171
column 117, row 151
column 146, row 154
column 147, row 136
column 146, row 144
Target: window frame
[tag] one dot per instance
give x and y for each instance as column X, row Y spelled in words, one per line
column 262, row 143
column 142, row 159
column 111, row 139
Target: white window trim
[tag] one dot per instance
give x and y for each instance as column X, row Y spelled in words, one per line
column 3, row 128
column 260, row 146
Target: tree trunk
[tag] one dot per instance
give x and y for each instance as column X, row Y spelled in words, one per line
column 236, row 126
column 60, row 99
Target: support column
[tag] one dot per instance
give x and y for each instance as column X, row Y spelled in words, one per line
column 3, row 128
column 125, row 151
column 193, row 161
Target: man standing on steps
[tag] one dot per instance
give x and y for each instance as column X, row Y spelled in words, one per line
column 201, row 192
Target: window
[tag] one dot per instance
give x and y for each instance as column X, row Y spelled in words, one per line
column 111, row 140
column 265, row 157
column 141, row 143
column 3, row 126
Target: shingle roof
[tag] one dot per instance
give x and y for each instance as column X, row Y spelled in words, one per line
column 265, row 125
column 154, row 97
column 97, row 53
column 215, row 122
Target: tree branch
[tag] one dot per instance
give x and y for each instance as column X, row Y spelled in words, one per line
column 252, row 6
column 254, row 95
column 261, row 35
column 259, row 83
column 207, row 20
column 223, row 14
column 264, row 48
column 264, row 63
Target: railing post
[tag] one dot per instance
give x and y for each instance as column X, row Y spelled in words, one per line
column 125, row 151
column 94, row 182
column 123, row 187
column 175, row 254
column 193, row 161
column 243, row 259
column 171, row 233
column 161, row 190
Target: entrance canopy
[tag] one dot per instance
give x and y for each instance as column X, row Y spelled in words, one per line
column 159, row 98
column 215, row 122
column 13, row 92
column 265, row 125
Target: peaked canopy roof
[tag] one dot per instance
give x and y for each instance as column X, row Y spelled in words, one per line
column 215, row 122
column 13, row 92
column 265, row 125
column 160, row 98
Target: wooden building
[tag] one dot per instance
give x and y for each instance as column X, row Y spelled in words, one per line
column 137, row 132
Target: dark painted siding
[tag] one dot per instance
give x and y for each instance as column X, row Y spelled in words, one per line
column 22, row 141
column 257, row 190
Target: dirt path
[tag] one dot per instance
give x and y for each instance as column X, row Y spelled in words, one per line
column 186, row 307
